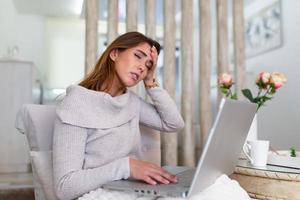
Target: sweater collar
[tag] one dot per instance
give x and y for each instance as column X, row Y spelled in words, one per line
column 93, row 109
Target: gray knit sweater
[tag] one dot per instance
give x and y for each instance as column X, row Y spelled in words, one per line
column 95, row 134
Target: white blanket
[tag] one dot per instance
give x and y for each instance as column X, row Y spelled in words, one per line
column 223, row 189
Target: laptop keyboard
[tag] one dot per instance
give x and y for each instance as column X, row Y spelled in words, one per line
column 185, row 178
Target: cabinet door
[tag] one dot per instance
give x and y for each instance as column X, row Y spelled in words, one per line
column 16, row 89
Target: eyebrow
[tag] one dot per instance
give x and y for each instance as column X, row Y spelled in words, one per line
column 142, row 52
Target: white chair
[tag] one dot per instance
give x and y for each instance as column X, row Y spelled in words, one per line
column 37, row 122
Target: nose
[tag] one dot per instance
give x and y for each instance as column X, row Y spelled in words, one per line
column 142, row 68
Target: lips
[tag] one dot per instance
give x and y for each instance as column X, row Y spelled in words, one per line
column 134, row 76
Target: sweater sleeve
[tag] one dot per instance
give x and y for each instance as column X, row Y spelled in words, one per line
column 70, row 179
column 163, row 114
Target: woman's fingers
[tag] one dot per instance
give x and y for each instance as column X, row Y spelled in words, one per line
column 154, row 54
column 167, row 174
column 164, row 174
column 170, row 177
column 150, row 173
column 149, row 180
column 159, row 178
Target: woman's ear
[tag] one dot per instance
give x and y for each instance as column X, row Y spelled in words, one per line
column 114, row 54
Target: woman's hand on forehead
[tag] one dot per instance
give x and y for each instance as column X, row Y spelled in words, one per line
column 153, row 54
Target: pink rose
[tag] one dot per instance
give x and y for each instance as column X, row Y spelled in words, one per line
column 225, row 80
column 277, row 80
column 264, row 77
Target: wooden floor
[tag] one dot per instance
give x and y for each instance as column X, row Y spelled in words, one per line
column 16, row 186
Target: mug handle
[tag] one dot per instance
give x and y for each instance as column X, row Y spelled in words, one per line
column 246, row 150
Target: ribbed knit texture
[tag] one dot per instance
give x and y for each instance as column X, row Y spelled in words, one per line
column 95, row 134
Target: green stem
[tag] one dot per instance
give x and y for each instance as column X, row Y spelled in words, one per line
column 261, row 97
column 267, row 92
column 259, row 92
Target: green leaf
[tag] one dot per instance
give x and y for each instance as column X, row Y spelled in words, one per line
column 256, row 100
column 247, row 93
column 293, row 152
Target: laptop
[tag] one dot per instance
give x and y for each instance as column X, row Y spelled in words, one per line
column 220, row 155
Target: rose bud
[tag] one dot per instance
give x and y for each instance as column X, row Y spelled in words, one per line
column 263, row 80
column 225, row 80
column 264, row 77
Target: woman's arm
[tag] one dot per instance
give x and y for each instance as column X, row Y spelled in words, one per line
column 162, row 114
column 70, row 179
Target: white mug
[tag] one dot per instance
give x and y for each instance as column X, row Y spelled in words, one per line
column 257, row 152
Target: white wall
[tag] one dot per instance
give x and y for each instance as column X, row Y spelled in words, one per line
column 24, row 31
column 279, row 121
column 8, row 28
column 65, row 52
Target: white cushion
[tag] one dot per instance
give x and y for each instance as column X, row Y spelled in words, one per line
column 42, row 162
column 37, row 122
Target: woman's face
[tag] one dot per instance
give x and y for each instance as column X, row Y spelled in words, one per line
column 133, row 64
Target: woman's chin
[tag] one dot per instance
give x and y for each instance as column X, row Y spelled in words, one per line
column 131, row 83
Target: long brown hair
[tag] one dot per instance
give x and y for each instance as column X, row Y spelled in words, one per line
column 102, row 76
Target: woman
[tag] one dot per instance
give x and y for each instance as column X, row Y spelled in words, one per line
column 96, row 134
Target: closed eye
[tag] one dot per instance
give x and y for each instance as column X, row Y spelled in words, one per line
column 138, row 56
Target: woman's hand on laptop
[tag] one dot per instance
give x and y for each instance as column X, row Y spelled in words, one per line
column 150, row 173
